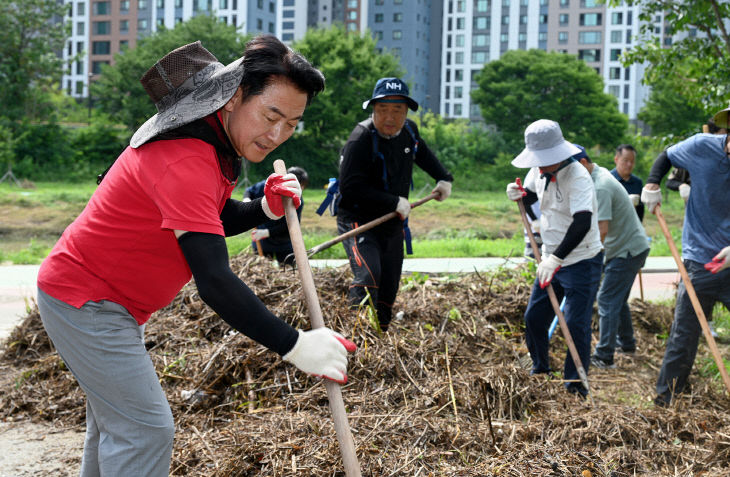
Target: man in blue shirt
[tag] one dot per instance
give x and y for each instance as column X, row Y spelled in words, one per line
column 625, row 159
column 706, row 232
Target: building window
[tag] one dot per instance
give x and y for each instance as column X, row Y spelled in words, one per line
column 616, row 36
column 287, row 37
column 590, row 19
column 352, row 15
column 505, row 3
column 102, row 8
column 562, row 37
column 543, row 19
column 178, row 4
column 260, row 4
column 222, row 4
column 396, row 51
column 614, row 90
column 259, row 24
column 458, row 92
column 617, row 18
column 459, row 58
column 479, row 57
column 378, row 18
column 397, row 17
column 564, row 19
column 142, row 24
column 102, row 28
column 287, row 25
column 459, row 75
column 482, row 5
column 564, row 3
column 475, row 112
column 590, row 56
column 272, row 7
column 614, row 73
column 123, row 44
column 79, row 46
column 287, row 14
column 523, row 19
column 161, row 4
column 124, row 6
column 378, row 35
column 123, row 26
column 589, row 37
column 81, row 8
column 457, row 108
column 460, row 40
column 505, row 19
column 627, row 74
column 272, row 29
column 101, row 47
column 626, row 91
column 479, row 40
column 615, row 54
column 141, row 4
column 481, row 23
column 503, row 38
column 80, row 28
column 588, row 3
column 460, row 23
column 79, row 68
column 522, row 37
column 460, row 6
column 397, row 34
column 542, row 36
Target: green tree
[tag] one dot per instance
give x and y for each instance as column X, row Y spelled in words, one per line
column 699, row 63
column 351, row 65
column 523, row 86
column 31, row 32
column 668, row 113
column 118, row 91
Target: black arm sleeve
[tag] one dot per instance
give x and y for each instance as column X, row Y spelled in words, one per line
column 228, row 296
column 659, row 169
column 576, row 232
column 240, row 216
column 528, row 200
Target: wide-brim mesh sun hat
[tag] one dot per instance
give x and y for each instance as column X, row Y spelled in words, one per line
column 544, row 145
column 188, row 83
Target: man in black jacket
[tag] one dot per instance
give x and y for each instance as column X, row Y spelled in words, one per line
column 375, row 178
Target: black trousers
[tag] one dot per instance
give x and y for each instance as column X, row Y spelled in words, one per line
column 376, row 260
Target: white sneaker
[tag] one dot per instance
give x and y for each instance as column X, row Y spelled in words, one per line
column 712, row 329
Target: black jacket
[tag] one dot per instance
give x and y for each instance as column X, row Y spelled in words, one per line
column 364, row 194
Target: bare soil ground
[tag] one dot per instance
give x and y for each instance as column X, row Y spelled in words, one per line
column 441, row 394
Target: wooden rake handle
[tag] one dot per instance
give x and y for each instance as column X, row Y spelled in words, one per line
column 693, row 298
column 365, row 226
column 334, row 392
column 556, row 306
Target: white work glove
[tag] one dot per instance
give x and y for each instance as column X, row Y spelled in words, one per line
column 444, row 190
column 403, row 208
column 322, row 353
column 547, row 269
column 720, row 262
column 635, row 198
column 260, row 234
column 276, row 187
column 651, row 198
column 515, row 191
column 684, row 190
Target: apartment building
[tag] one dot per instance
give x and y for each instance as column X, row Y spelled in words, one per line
column 102, row 28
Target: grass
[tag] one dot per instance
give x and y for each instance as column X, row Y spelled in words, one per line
column 468, row 224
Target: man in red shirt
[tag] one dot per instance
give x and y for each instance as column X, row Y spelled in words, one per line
column 161, row 215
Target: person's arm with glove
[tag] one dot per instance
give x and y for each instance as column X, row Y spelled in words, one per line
column 651, row 194
column 403, row 208
column 551, row 263
column 720, row 261
column 260, row 234
column 238, row 216
column 443, row 189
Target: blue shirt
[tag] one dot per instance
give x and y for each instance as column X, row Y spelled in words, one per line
column 632, row 186
column 707, row 214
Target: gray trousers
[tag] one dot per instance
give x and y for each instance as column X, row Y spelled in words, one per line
column 685, row 333
column 129, row 425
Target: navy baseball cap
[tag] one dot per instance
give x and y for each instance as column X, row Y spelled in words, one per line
column 391, row 87
column 582, row 154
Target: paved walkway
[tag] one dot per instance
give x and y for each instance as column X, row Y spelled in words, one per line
column 658, row 282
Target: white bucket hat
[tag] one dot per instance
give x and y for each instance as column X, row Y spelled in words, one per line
column 545, row 145
column 188, row 83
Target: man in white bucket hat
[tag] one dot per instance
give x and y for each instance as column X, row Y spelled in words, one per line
column 572, row 254
column 160, row 215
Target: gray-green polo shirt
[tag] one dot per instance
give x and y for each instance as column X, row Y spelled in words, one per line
column 625, row 232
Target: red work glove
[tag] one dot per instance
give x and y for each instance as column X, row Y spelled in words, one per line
column 547, row 269
column 276, row 187
column 515, row 191
column 322, row 353
column 720, row 261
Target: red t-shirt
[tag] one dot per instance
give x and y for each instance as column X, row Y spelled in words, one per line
column 122, row 246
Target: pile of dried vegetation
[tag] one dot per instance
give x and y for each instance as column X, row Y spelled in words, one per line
column 440, row 394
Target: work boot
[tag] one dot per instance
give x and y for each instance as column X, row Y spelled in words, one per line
column 599, row 363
